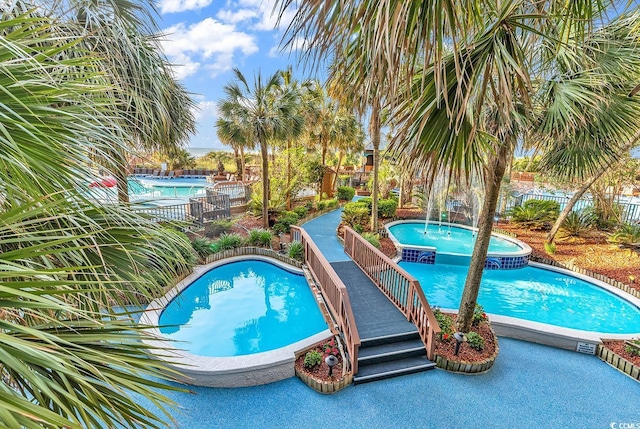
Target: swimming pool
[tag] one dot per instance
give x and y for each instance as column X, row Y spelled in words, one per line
column 242, row 308
column 446, row 238
column 533, row 294
column 178, row 187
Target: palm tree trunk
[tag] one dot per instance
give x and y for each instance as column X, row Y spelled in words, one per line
column 288, row 176
column 374, row 129
column 335, row 178
column 242, row 163
column 495, row 172
column 265, row 184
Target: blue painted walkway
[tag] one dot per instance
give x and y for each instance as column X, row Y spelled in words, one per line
column 529, row 386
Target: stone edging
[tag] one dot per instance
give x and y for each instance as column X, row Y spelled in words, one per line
column 628, row 289
column 465, row 367
column 617, row 361
column 250, row 250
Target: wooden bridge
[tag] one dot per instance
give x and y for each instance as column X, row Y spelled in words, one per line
column 385, row 320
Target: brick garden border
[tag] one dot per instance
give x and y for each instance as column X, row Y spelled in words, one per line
column 618, row 362
column 465, row 367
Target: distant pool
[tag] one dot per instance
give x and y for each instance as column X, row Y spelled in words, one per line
column 242, row 308
column 177, row 187
column 533, row 294
column 446, row 238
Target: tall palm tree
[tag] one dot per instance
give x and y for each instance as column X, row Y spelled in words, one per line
column 69, row 357
column 266, row 114
column 474, row 74
column 153, row 106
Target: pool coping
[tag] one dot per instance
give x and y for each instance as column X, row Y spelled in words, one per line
column 526, row 249
column 232, row 371
column 556, row 336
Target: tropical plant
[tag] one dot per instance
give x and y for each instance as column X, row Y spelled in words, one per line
column 627, row 235
column 535, row 214
column 202, row 247
column 312, row 358
column 463, row 91
column 295, row 250
column 446, row 324
column 71, row 352
column 372, row 238
column 355, row 213
column 577, row 223
column 228, row 242
column 479, row 315
column 284, row 222
column 260, row 237
column 301, row 211
column 475, row 341
column 264, row 113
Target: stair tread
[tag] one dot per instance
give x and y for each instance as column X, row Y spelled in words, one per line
column 384, row 339
column 389, row 348
column 396, row 367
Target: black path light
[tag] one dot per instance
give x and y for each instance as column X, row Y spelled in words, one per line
column 460, row 338
column 331, row 361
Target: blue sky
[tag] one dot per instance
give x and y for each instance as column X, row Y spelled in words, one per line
column 206, row 39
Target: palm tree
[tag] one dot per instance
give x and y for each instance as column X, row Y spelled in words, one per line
column 466, row 79
column 266, row 114
column 70, row 358
column 155, row 109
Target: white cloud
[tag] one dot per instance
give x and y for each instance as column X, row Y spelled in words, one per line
column 298, row 44
column 208, row 44
column 260, row 14
column 206, row 109
column 173, row 6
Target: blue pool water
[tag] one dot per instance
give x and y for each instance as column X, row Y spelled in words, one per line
column 446, row 239
column 242, row 308
column 533, row 294
column 177, row 187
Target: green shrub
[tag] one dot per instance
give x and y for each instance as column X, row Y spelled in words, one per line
column 321, row 205
column 372, row 238
column 332, row 203
column 312, row 358
column 479, row 315
column 345, row 193
column 228, row 241
column 358, row 228
column 387, row 208
column 550, row 248
column 355, row 214
column 301, row 211
column 535, row 214
column 217, row 227
column 446, row 324
column 577, row 223
column 284, row 222
column 260, row 237
column 627, row 235
column 296, row 251
column 633, row 347
column 308, row 205
column 202, row 247
column 475, row 341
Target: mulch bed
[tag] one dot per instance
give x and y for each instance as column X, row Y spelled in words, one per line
column 591, row 252
column 447, row 348
column 320, row 372
column 618, row 347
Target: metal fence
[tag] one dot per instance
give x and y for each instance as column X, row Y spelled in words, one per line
column 630, row 212
column 194, row 213
column 239, row 192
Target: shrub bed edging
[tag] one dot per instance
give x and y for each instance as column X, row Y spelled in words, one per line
column 618, row 362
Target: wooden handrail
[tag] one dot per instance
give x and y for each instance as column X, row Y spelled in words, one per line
column 398, row 285
column 334, row 292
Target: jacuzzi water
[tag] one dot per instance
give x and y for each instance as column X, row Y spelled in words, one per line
column 446, row 239
column 533, row 294
column 242, row 308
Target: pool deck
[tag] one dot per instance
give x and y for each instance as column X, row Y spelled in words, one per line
column 530, row 385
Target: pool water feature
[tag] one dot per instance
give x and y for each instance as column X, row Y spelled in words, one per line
column 453, row 244
column 242, row 308
column 533, row 294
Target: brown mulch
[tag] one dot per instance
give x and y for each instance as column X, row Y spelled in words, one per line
column 320, row 372
column 591, row 252
column 618, row 347
column 446, row 348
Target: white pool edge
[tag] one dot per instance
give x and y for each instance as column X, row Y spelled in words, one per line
column 233, row 371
